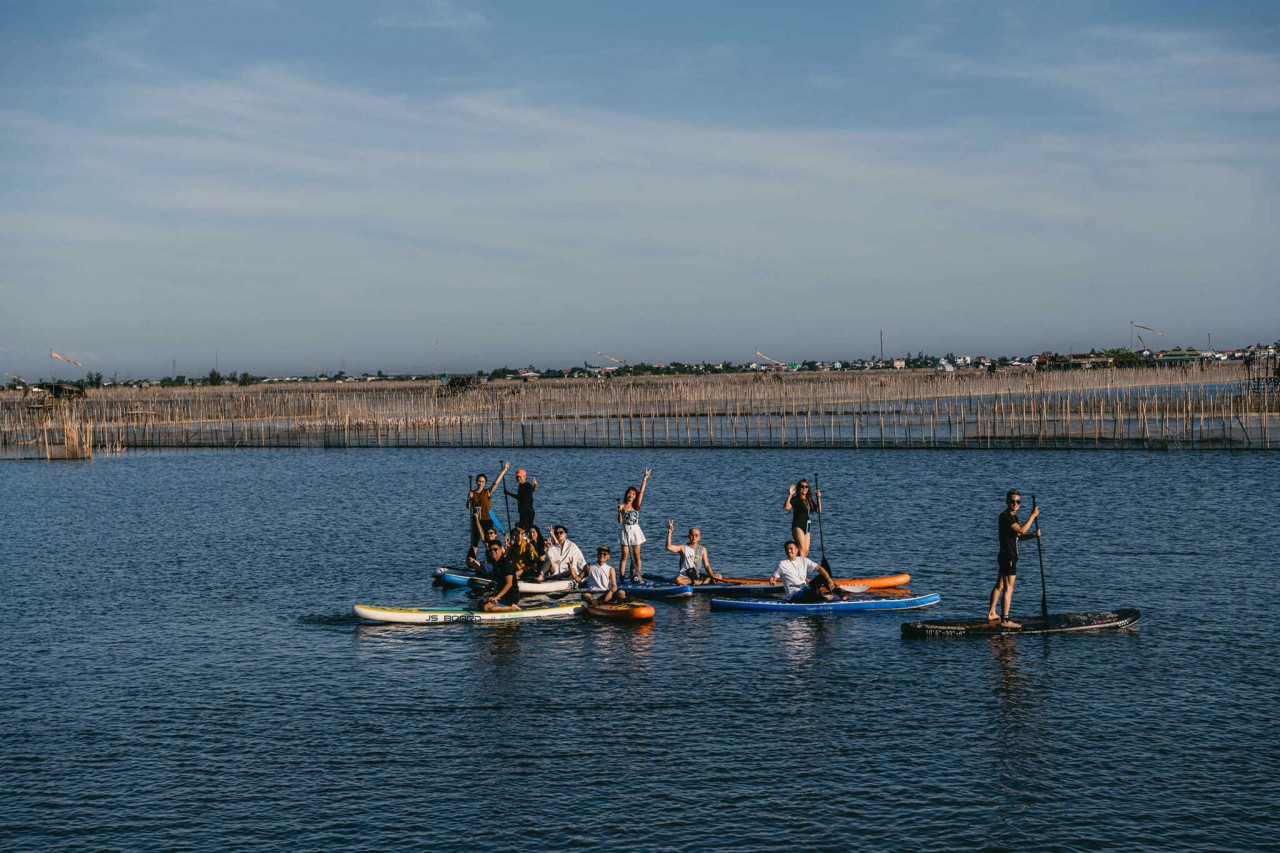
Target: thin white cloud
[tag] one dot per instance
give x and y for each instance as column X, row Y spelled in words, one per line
column 304, row 197
column 434, row 14
column 1174, row 78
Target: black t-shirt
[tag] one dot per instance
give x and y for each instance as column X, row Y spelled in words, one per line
column 524, row 498
column 504, row 569
column 1008, row 536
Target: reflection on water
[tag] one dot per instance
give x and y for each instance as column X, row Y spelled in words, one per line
column 621, row 644
column 802, row 639
column 1018, row 751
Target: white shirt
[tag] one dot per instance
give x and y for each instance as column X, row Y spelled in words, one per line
column 794, row 574
column 561, row 557
column 599, row 577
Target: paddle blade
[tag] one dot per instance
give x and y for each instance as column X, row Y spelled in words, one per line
column 825, row 565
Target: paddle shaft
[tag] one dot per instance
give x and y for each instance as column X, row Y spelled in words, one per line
column 505, row 499
column 1044, row 595
column 473, row 519
column 822, row 543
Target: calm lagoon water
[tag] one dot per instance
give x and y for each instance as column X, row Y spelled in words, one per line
column 181, row 670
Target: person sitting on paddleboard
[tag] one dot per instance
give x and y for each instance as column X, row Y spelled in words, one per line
column 478, row 501
column 524, row 498
column 794, row 574
column 632, row 537
column 539, row 545
column 506, row 582
column 564, row 558
column 602, row 581
column 695, row 568
column 801, row 501
column 522, row 552
column 481, row 563
column 1010, row 532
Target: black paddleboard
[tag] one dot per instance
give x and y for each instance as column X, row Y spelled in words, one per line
column 1056, row 623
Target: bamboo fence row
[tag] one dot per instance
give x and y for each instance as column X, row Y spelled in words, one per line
column 1213, row 407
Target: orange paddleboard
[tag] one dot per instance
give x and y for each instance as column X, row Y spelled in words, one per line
column 882, row 582
column 635, row 611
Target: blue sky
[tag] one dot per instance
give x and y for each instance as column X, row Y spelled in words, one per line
column 412, row 184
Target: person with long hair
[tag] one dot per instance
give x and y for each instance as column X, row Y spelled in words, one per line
column 631, row 537
column 478, row 507
column 801, row 501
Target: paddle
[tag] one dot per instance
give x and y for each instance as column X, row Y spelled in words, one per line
column 473, row 519
column 1044, row 595
column 505, row 499
column 822, row 543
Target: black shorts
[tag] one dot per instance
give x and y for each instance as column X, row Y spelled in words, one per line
column 478, row 531
column 1008, row 566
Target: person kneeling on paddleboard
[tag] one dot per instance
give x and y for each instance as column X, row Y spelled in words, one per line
column 602, row 581
column 695, row 567
column 506, row 582
column 794, row 574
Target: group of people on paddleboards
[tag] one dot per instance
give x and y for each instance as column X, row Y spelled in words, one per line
column 525, row 554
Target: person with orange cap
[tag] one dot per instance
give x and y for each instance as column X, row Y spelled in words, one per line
column 524, row 498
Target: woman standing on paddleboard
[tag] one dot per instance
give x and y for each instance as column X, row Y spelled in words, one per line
column 631, row 536
column 801, row 501
column 478, row 504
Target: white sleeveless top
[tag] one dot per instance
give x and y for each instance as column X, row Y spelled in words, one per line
column 598, row 577
column 691, row 558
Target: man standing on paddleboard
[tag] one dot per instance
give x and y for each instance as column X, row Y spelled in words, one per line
column 524, row 498
column 1011, row 532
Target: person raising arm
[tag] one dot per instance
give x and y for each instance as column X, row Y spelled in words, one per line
column 695, row 566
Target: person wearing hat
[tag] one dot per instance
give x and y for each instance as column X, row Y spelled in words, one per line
column 602, row 581
column 1011, row 531
column 524, row 498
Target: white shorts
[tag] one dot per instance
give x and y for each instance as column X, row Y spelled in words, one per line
column 631, row 535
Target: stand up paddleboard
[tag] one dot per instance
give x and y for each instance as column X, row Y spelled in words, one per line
column 645, row 589
column 454, row 579
column 850, row 606
column 756, row 587
column 851, row 584
column 455, row 615
column 632, row 611
column 1057, row 623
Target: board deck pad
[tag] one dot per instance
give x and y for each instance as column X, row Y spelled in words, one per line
column 1057, row 623
column 456, row 615
column 852, row 605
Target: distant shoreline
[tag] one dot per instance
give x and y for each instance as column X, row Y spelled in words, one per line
column 1204, row 406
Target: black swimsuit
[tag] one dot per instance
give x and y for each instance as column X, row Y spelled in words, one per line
column 800, row 513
